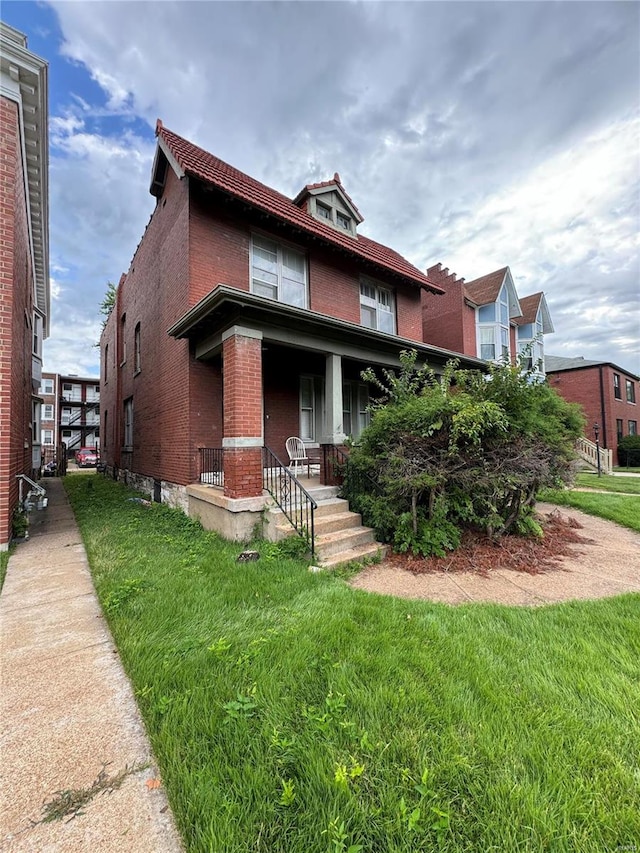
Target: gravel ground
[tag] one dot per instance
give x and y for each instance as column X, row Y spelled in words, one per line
column 606, row 566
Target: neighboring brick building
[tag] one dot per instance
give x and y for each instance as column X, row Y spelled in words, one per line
column 247, row 317
column 486, row 318
column 607, row 393
column 70, row 411
column 24, row 262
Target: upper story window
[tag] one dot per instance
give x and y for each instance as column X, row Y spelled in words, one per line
column 37, row 335
column 377, row 308
column 278, row 272
column 106, row 362
column 343, row 221
column 123, row 338
column 493, row 328
column 47, row 412
column 633, row 427
column 631, row 391
column 136, row 349
column 323, row 211
column 46, row 386
column 531, row 345
column 617, row 393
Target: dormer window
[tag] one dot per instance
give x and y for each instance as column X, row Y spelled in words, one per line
column 343, row 221
column 323, row 211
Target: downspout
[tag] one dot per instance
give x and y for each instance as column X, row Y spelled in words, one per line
column 603, row 413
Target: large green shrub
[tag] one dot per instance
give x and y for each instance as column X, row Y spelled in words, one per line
column 463, row 450
column 629, row 450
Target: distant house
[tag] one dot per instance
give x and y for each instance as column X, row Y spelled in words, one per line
column 247, row 317
column 607, row 393
column 70, row 411
column 486, row 318
column 24, row 271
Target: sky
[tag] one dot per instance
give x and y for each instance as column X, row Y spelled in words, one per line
column 475, row 134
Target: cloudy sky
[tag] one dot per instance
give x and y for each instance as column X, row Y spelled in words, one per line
column 476, row 134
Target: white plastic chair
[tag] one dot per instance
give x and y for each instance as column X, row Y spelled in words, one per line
column 297, row 454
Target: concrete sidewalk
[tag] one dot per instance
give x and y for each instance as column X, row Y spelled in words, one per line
column 67, row 710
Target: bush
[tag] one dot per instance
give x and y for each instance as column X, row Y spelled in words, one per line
column 629, row 450
column 462, row 450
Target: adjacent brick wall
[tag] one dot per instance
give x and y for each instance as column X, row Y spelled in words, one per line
column 447, row 321
column 16, row 310
column 583, row 386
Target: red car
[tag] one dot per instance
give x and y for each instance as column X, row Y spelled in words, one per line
column 86, row 457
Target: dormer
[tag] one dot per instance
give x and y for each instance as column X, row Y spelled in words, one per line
column 329, row 202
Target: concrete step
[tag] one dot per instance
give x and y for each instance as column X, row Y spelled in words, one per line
column 325, row 523
column 373, row 550
column 323, row 493
column 343, row 540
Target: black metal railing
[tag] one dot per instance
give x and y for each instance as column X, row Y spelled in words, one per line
column 290, row 495
column 211, row 466
column 354, row 483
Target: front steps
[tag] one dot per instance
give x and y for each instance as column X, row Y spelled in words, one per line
column 339, row 534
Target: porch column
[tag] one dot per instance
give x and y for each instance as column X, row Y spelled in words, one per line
column 242, row 412
column 333, row 430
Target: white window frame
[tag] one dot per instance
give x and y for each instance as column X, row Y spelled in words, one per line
column 47, row 436
column 355, row 405
column 380, row 301
column 275, row 279
column 630, row 390
column 45, row 385
column 501, row 328
column 47, row 411
column 38, row 332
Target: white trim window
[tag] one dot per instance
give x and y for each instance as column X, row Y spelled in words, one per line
column 47, row 436
column 377, row 308
column 307, row 409
column 278, row 272
column 355, row 408
column 493, row 329
column 531, row 345
column 47, row 412
column 46, row 386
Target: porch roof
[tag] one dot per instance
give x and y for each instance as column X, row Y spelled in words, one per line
column 226, row 306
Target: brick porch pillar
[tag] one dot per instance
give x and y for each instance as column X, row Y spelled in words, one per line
column 242, row 404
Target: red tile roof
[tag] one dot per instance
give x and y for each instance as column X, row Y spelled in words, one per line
column 325, row 185
column 485, row 289
column 200, row 164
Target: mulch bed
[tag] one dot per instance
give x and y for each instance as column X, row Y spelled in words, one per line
column 478, row 553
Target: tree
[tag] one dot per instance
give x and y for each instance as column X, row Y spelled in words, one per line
column 108, row 303
column 463, row 450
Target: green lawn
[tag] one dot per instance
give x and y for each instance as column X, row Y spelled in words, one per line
column 290, row 713
column 623, row 509
column 4, row 559
column 607, row 483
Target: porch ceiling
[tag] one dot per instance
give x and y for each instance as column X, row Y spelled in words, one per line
column 226, row 306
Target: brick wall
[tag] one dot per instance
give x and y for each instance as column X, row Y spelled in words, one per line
column 447, row 321
column 583, row 386
column 16, row 307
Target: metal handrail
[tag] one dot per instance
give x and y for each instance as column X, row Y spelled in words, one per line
column 211, row 466
column 354, row 484
column 290, row 495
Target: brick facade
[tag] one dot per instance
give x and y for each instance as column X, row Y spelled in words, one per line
column 16, row 312
column 592, row 387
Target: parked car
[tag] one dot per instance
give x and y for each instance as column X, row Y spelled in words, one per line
column 86, row 457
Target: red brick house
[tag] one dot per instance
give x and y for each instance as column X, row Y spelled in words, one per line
column 246, row 317
column 24, row 263
column 607, row 393
column 70, row 412
column 486, row 318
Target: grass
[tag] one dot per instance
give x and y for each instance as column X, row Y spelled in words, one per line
column 607, row 483
column 623, row 469
column 289, row 712
column 4, row 561
column 623, row 509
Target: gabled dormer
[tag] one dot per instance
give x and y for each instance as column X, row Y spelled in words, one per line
column 496, row 303
column 329, row 202
column 531, row 326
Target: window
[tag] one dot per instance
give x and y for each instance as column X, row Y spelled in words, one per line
column 123, row 339
column 47, row 412
column 488, row 342
column 619, row 428
column 136, row 349
column 355, row 403
column 106, row 423
column 616, row 386
column 36, row 416
column 377, row 310
column 46, row 386
column 47, row 436
column 278, row 272
column 633, row 427
column 343, row 221
column 106, row 361
column 128, row 424
column 493, row 328
column 37, row 334
column 307, row 409
column 323, row 211
column 631, row 391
